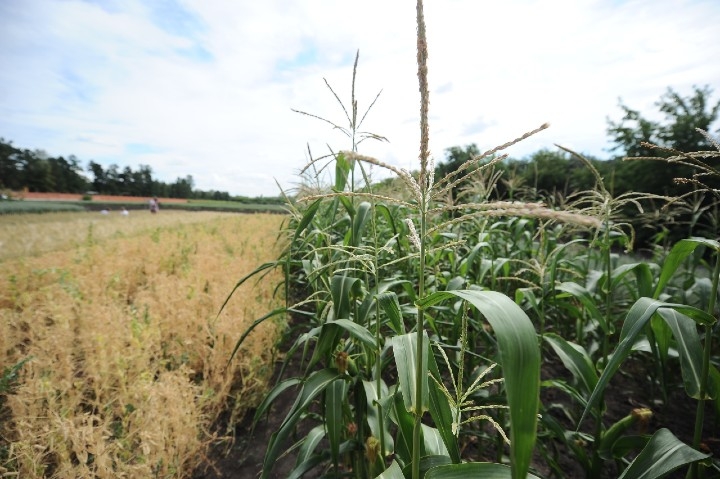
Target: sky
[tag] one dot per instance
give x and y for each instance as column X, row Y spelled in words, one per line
column 207, row 87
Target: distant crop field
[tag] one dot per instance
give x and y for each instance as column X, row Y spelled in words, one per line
column 30, row 235
column 113, row 356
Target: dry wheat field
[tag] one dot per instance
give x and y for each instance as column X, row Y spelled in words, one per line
column 114, row 359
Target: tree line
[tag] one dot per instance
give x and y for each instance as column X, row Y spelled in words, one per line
column 37, row 171
column 555, row 176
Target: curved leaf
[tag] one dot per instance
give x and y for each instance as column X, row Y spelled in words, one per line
column 635, row 321
column 677, row 255
column 663, row 454
column 390, row 304
column 334, row 397
column 313, row 385
column 519, row 356
column 441, row 413
column 273, row 394
column 688, row 347
column 485, row 470
column 576, row 360
column 583, row 295
column 405, row 352
column 255, row 324
column 392, row 472
column 359, row 222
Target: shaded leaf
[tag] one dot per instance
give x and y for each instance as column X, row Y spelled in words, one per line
column 663, row 454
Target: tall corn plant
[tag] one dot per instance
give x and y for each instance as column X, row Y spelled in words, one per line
column 662, row 320
column 367, row 286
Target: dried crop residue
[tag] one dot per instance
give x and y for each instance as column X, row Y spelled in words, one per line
column 128, row 359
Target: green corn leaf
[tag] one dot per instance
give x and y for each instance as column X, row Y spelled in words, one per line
column 643, row 275
column 259, row 269
column 405, row 352
column 255, row 324
column 434, row 444
column 342, row 290
column 306, row 219
column 662, row 334
column 430, row 461
column 361, row 217
column 677, row 255
column 519, row 356
column 342, row 169
column 335, row 395
column 273, row 394
column 484, row 470
column 314, row 460
column 313, row 385
column 635, row 321
column 583, row 295
column 441, row 413
column 392, row 472
column 373, row 417
column 390, row 304
column 330, row 334
column 385, row 212
column 576, row 360
column 356, row 331
column 405, row 425
column 688, row 347
column 311, row 442
column 348, row 205
column 663, row 454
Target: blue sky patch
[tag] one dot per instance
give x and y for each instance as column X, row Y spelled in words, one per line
column 173, row 18
column 140, row 149
column 307, row 56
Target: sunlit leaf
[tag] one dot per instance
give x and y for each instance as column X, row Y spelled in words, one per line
column 405, row 352
column 519, row 356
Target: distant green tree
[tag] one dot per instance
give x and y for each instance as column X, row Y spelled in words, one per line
column 9, row 166
column 683, row 115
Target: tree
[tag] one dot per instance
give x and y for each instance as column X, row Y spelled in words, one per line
column 683, row 115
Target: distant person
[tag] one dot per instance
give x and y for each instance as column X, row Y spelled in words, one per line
column 104, row 212
column 124, row 211
column 154, row 205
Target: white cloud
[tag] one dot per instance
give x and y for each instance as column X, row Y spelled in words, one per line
column 206, row 88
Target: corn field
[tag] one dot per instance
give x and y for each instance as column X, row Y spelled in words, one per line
column 428, row 308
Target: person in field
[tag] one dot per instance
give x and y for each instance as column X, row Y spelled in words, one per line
column 154, row 205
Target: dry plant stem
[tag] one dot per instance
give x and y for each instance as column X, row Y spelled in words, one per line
column 482, row 156
column 422, row 55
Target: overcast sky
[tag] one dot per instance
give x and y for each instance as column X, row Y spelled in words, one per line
column 205, row 87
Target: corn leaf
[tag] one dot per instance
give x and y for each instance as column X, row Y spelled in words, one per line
column 361, row 217
column 519, row 356
column 373, row 416
column 635, row 321
column 576, row 360
column 677, row 255
column 334, row 397
column 390, row 304
column 688, row 347
column 583, row 295
column 663, row 454
column 441, row 413
column 485, row 470
column 405, row 352
column 392, row 472
column 313, row 385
